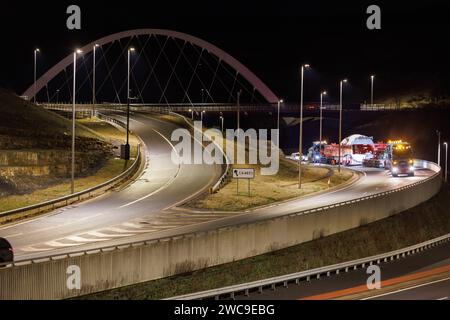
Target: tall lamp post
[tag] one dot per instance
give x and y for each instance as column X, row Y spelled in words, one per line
column 201, row 115
column 238, row 109
column 323, row 93
column 300, row 142
column 446, row 159
column 34, row 85
column 192, row 114
column 278, row 121
column 439, row 148
column 372, row 77
column 72, row 180
column 93, row 81
column 340, row 122
column 222, row 119
column 126, row 155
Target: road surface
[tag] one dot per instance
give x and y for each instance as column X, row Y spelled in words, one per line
column 142, row 211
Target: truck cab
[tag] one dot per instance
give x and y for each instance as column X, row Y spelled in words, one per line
column 399, row 158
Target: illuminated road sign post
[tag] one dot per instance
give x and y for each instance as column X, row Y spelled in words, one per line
column 244, row 173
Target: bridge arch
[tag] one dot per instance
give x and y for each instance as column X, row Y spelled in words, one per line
column 257, row 83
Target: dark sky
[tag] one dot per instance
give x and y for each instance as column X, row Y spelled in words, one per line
column 271, row 38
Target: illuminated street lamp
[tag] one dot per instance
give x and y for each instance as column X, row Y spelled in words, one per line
column 323, row 93
column 300, row 142
column 278, row 121
column 340, row 122
column 93, row 81
column 192, row 114
column 72, row 181
column 222, row 119
column 371, row 90
column 439, row 148
column 35, row 54
column 446, row 158
column 201, row 115
column 126, row 155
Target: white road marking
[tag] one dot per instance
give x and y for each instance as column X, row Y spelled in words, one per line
column 57, row 244
column 120, row 230
column 33, row 249
column 104, row 235
column 406, row 289
column 82, row 239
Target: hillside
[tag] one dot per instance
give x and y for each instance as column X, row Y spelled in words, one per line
column 35, row 147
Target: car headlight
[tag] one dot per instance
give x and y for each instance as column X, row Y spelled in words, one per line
column 395, row 169
column 411, row 168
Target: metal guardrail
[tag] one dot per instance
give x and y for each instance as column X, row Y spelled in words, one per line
column 189, row 234
column 66, row 200
column 307, row 275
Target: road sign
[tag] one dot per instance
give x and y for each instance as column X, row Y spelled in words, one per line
column 244, row 173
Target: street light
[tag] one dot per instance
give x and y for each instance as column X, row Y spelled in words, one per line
column 238, row 109
column 126, row 154
column 35, row 54
column 323, row 93
column 57, row 96
column 221, row 118
column 72, row 181
column 300, row 142
column 201, row 115
column 340, row 123
column 192, row 114
column 93, row 81
column 371, row 90
column 439, row 147
column 278, row 121
column 446, row 158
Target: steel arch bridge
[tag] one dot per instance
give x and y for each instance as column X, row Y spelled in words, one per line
column 244, row 72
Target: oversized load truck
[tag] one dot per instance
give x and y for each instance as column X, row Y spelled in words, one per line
column 395, row 156
column 399, row 158
column 354, row 149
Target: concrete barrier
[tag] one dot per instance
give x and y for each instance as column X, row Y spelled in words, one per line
column 114, row 267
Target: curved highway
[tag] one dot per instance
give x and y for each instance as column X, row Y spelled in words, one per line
column 142, row 211
column 134, row 209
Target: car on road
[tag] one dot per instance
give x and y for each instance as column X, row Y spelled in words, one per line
column 6, row 252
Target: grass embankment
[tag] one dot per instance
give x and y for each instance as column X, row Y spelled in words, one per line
column 424, row 222
column 270, row 188
column 112, row 168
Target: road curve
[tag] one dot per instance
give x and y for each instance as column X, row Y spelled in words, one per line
column 124, row 212
column 142, row 210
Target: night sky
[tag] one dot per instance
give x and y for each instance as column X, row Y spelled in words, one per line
column 273, row 39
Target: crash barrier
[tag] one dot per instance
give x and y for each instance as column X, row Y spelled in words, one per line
column 213, row 243
column 296, row 278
